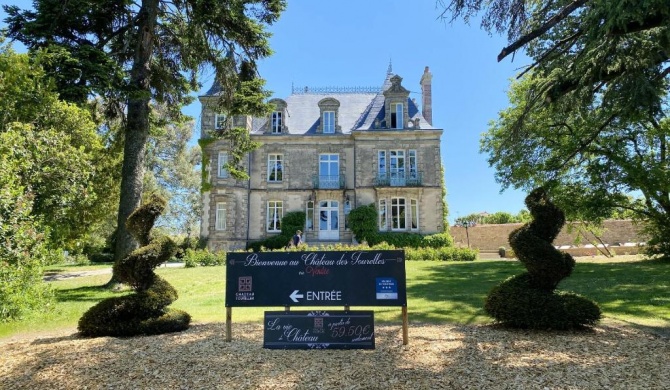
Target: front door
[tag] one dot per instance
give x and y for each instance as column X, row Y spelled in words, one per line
column 329, row 220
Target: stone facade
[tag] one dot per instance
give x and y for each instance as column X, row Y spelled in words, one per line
column 325, row 153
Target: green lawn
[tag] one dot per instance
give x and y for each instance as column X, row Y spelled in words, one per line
column 634, row 291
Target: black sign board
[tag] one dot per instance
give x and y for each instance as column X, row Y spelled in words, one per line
column 321, row 278
column 319, row 330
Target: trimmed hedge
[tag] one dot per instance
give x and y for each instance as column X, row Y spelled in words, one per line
column 418, row 254
column 203, row 258
column 516, row 303
column 441, row 254
column 145, row 311
column 529, row 300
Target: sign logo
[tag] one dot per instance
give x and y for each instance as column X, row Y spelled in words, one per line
column 244, row 289
column 387, row 288
column 318, row 325
column 244, row 283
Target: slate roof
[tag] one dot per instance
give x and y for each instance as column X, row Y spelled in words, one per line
column 357, row 111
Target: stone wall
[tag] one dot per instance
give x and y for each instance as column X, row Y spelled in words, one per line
column 492, row 237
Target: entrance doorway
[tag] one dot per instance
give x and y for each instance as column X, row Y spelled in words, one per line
column 329, row 220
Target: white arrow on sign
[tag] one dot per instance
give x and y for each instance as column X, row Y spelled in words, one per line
column 294, row 295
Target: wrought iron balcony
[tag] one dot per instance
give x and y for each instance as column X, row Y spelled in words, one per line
column 328, row 182
column 399, row 179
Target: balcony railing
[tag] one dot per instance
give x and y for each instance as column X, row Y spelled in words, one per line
column 328, row 182
column 399, row 179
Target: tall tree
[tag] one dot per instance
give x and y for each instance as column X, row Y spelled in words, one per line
column 150, row 50
column 60, row 156
column 171, row 172
column 589, row 116
column 51, row 175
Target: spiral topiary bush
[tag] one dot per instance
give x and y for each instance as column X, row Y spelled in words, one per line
column 530, row 300
column 145, row 311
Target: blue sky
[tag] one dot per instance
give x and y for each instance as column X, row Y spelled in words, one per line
column 350, row 43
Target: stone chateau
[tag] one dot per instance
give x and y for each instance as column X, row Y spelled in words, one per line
column 325, row 152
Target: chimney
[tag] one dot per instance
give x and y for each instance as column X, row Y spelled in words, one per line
column 427, row 95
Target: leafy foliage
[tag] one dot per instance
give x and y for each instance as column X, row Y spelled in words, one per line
column 203, row 258
column 499, row 217
column 58, row 156
column 529, row 300
column 22, row 253
column 589, row 117
column 52, row 170
column 445, row 207
column 441, row 254
column 363, row 222
column 143, row 312
column 290, row 222
column 134, row 55
column 171, row 172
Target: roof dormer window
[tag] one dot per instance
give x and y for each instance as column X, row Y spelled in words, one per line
column 396, row 98
column 328, row 119
column 329, row 108
column 276, row 122
column 397, row 115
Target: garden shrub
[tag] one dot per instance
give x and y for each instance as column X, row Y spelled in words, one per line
column 23, row 250
column 103, row 257
column 363, row 222
column 295, row 220
column 517, row 304
column 529, row 300
column 188, row 243
column 203, row 258
column 438, row 240
column 290, row 222
column 441, row 254
column 145, row 311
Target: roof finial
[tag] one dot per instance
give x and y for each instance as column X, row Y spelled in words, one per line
column 390, row 69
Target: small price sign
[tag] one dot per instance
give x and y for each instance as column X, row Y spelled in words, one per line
column 319, row 330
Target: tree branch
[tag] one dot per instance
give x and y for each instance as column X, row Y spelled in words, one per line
column 548, row 52
column 650, row 21
column 584, row 144
column 554, row 20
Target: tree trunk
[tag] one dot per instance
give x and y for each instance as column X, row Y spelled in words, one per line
column 137, row 128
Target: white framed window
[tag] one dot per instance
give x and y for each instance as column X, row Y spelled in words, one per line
column 397, row 116
column 275, row 168
column 347, row 210
column 397, row 167
column 412, row 164
column 329, row 170
column 398, row 214
column 274, row 215
column 309, row 219
column 381, row 164
column 220, row 223
column 219, row 121
column 223, row 160
column 383, row 222
column 414, row 212
column 328, row 122
column 276, row 122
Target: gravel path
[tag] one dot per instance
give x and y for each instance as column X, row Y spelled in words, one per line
column 56, row 276
column 437, row 357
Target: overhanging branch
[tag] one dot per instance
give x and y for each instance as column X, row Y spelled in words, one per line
column 554, row 20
